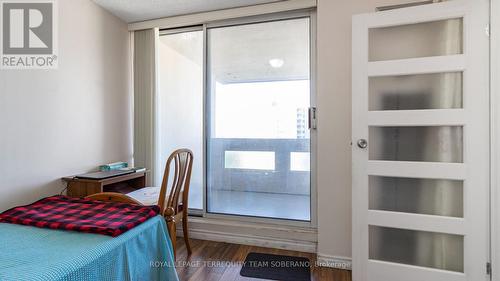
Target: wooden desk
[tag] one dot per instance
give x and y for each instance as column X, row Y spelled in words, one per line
column 121, row 184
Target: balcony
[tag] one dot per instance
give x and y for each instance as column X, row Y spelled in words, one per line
column 260, row 177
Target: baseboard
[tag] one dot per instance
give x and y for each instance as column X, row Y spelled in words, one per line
column 279, row 237
column 309, row 247
column 262, row 235
column 334, row 261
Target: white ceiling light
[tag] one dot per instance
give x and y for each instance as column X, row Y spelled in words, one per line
column 276, row 63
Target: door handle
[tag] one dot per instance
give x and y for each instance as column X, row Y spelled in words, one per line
column 362, row 143
column 312, row 118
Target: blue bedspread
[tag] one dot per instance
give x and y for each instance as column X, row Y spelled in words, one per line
column 31, row 253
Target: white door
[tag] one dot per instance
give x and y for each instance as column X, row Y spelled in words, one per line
column 421, row 143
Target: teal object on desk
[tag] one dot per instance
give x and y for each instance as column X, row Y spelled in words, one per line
column 113, row 166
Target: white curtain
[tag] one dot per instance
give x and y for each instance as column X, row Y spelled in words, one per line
column 145, row 88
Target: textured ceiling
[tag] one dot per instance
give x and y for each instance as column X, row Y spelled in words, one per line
column 140, row 10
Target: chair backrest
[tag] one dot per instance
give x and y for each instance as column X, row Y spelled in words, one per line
column 183, row 164
column 113, row 197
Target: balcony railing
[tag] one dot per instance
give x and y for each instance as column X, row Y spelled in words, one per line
column 260, row 165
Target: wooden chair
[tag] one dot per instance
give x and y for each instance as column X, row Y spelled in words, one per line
column 174, row 207
column 123, row 198
column 113, row 197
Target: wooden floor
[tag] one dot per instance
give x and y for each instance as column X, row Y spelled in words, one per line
column 217, row 261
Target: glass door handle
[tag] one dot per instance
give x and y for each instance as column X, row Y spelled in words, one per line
column 362, row 143
column 312, row 118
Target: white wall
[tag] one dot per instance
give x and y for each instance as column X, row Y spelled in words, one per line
column 334, row 124
column 56, row 123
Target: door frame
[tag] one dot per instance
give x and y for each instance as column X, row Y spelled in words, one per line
column 471, row 113
column 494, row 30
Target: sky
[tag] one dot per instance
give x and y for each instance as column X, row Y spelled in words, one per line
column 265, row 110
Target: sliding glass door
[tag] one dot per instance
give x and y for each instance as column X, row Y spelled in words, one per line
column 239, row 97
column 179, row 121
column 258, row 139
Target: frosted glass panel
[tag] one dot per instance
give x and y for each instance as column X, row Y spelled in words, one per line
column 430, row 144
column 420, row 248
column 251, row 160
column 422, row 196
column 427, row 39
column 180, row 105
column 423, row 91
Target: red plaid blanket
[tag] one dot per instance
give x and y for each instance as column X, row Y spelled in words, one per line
column 83, row 215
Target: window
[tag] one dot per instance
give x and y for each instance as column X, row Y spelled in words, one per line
column 258, row 138
column 239, row 96
column 180, row 105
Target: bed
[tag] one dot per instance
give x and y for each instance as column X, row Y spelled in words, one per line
column 32, row 253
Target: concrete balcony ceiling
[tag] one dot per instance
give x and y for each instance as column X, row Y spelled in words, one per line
column 244, row 53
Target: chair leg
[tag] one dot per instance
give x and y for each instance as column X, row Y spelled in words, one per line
column 172, row 230
column 186, row 232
